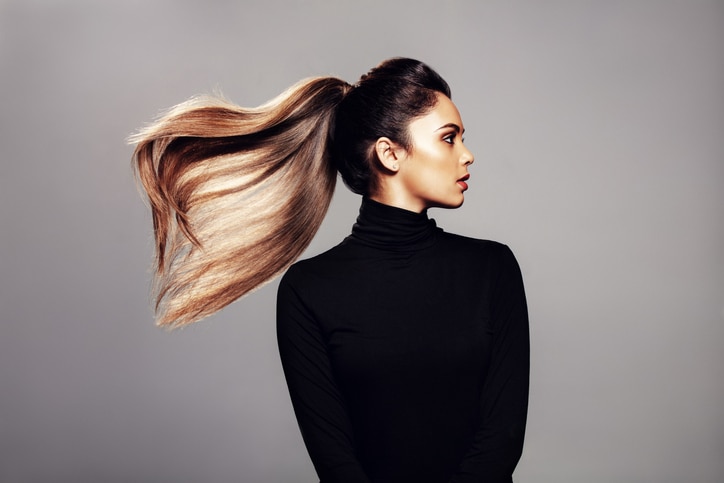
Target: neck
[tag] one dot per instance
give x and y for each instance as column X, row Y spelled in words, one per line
column 398, row 199
column 392, row 227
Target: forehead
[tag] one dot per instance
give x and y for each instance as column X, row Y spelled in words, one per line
column 444, row 112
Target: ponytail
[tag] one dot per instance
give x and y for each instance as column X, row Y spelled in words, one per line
column 236, row 194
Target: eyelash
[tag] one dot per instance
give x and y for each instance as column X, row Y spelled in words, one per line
column 450, row 138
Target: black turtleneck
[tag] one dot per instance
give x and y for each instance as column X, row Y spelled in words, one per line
column 405, row 350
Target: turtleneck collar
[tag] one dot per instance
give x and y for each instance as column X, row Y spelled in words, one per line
column 392, row 228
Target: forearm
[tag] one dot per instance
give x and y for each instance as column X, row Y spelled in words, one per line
column 498, row 442
column 318, row 404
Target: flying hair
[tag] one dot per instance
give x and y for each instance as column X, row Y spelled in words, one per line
column 237, row 194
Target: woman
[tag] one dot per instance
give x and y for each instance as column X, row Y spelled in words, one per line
column 405, row 348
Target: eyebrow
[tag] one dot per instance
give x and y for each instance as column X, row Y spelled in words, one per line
column 452, row 125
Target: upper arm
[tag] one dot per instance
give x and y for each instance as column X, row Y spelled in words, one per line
column 318, row 403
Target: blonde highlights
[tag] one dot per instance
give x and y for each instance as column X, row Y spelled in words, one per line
column 236, row 194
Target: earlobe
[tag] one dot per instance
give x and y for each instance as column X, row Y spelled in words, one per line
column 387, row 154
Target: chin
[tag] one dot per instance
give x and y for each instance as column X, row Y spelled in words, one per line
column 449, row 204
column 458, row 201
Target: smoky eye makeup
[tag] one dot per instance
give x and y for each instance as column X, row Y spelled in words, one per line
column 450, row 137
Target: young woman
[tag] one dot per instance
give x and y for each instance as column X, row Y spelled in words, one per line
column 405, row 348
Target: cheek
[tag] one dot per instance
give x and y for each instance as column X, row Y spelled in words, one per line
column 436, row 178
column 431, row 173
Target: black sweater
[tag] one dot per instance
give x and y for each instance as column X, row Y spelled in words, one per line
column 406, row 353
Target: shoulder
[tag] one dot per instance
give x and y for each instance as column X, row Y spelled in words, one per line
column 318, row 266
column 473, row 243
column 489, row 249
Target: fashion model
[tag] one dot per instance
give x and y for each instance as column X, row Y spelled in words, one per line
column 405, row 348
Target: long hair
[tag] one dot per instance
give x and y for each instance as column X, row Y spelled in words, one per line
column 237, row 194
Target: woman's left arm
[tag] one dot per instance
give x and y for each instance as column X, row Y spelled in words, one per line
column 498, row 441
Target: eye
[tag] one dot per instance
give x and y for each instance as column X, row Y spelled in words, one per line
column 450, row 138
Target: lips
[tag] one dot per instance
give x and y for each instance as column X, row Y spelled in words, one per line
column 462, row 182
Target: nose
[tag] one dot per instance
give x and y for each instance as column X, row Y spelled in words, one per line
column 467, row 157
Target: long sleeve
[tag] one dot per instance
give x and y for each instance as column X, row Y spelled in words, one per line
column 498, row 441
column 405, row 350
column 317, row 401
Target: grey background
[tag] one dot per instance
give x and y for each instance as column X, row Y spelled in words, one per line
column 598, row 132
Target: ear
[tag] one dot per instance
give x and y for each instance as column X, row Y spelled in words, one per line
column 388, row 152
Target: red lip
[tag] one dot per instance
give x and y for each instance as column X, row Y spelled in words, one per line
column 462, row 182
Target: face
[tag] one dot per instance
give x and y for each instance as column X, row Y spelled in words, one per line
column 435, row 170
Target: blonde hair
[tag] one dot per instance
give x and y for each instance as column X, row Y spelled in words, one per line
column 236, row 194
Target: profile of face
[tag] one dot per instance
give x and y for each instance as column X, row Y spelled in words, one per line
column 434, row 171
